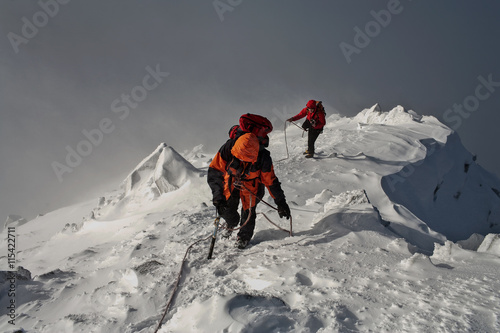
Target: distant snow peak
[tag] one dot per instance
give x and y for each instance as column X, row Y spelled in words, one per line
column 398, row 115
column 197, row 157
column 164, row 170
column 195, row 153
column 14, row 221
column 490, row 244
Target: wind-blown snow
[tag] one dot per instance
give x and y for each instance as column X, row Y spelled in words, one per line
column 382, row 243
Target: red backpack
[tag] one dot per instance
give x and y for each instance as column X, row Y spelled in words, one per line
column 233, row 130
column 258, row 125
column 252, row 123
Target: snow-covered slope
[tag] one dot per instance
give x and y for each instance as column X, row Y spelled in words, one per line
column 376, row 219
column 163, row 173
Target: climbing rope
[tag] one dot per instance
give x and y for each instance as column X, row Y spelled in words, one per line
column 248, row 218
column 176, row 285
column 277, row 226
column 241, row 185
column 299, row 127
column 286, row 141
column 286, row 146
column 303, row 130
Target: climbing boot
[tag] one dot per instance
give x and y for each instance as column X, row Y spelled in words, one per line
column 241, row 243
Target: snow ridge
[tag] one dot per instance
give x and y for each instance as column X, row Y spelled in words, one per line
column 364, row 257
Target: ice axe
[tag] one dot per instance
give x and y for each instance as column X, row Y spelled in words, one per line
column 214, row 236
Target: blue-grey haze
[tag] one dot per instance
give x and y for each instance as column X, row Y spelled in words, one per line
column 74, row 67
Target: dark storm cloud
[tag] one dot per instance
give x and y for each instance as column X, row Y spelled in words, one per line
column 246, row 56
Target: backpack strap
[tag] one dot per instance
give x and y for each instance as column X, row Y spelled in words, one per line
column 319, row 107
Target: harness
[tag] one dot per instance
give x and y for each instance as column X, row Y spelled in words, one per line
column 319, row 107
column 239, row 176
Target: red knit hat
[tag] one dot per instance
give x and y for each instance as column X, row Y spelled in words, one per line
column 311, row 104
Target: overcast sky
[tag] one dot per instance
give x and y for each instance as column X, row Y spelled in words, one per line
column 182, row 72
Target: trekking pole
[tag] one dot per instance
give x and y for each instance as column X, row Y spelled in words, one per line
column 214, row 236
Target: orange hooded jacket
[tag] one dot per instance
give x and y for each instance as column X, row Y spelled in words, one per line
column 257, row 168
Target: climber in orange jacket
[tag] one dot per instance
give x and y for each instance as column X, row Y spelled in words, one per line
column 242, row 161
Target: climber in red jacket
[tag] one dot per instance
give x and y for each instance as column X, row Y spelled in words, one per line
column 315, row 121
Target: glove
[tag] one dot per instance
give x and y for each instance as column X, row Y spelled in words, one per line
column 283, row 209
column 221, row 206
column 289, row 119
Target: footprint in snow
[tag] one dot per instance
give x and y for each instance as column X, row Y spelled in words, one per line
column 260, row 314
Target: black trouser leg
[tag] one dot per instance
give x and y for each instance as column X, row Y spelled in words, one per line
column 260, row 193
column 231, row 215
column 247, row 231
column 311, row 139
